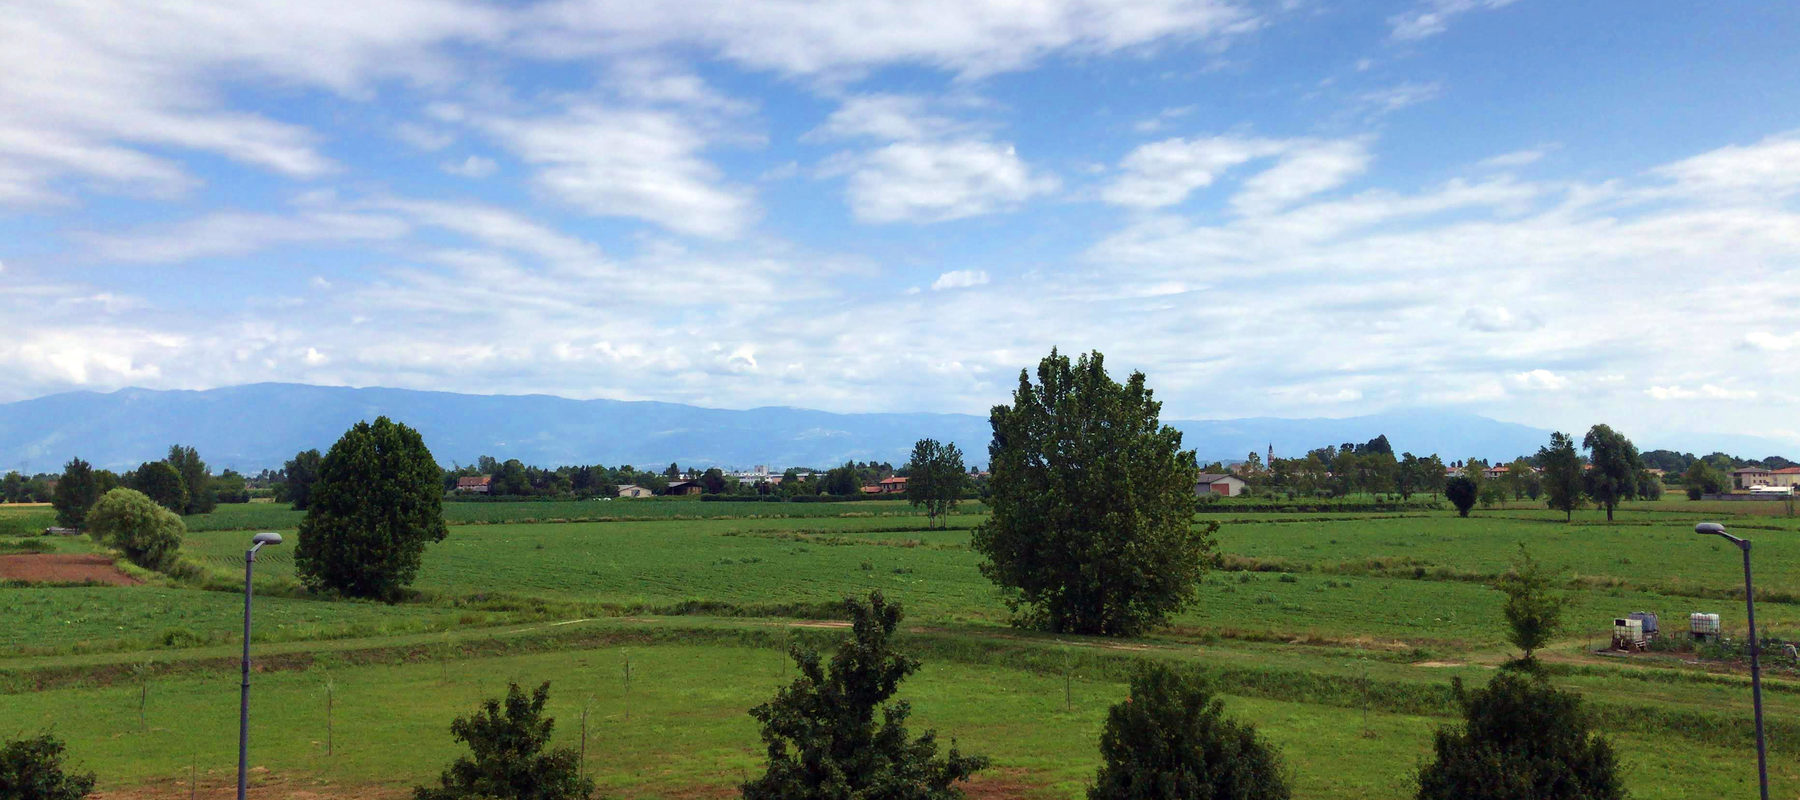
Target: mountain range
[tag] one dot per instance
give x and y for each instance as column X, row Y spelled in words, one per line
column 261, row 425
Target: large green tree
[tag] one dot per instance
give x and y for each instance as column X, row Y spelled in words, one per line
column 1562, row 474
column 935, row 477
column 507, row 755
column 376, row 505
column 32, row 769
column 160, row 481
column 298, row 476
column 1093, row 503
column 1616, row 467
column 1171, row 740
column 76, row 492
column 1521, row 739
column 833, row 735
column 132, row 523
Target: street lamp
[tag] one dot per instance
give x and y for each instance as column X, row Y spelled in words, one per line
column 1762, row 757
column 256, row 543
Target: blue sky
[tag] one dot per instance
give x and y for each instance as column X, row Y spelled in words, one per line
column 1551, row 213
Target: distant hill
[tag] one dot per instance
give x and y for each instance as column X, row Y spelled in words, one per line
column 261, row 425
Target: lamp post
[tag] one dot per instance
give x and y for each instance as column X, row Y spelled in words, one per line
column 256, row 543
column 1762, row 756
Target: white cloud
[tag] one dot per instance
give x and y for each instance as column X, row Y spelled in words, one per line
column 624, row 162
column 1393, row 98
column 1306, row 169
column 1775, row 343
column 1542, row 380
column 1164, row 173
column 884, row 116
column 314, row 358
column 424, row 137
column 1516, row 158
column 1432, row 17
column 1704, row 392
column 233, row 234
column 1497, row 319
column 89, row 89
column 960, row 279
column 938, row 181
column 471, row 167
column 1767, row 169
column 1163, row 119
column 832, row 38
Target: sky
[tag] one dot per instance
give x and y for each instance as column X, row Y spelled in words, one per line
column 1548, row 213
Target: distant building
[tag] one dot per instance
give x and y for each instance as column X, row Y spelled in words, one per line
column 474, row 484
column 685, row 487
column 629, row 490
column 894, row 485
column 1784, row 477
column 1213, row 483
column 1496, row 473
column 870, row 490
column 1749, row 476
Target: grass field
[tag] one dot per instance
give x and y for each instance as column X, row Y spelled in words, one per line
column 278, row 516
column 1313, row 618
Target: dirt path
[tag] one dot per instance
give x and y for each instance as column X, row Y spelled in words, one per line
column 63, row 568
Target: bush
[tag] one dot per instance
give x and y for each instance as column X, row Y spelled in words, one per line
column 507, row 759
column 1170, row 740
column 32, row 769
column 834, row 736
column 129, row 521
column 1520, row 738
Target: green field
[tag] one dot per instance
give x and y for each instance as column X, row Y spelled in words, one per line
column 277, row 516
column 1315, row 621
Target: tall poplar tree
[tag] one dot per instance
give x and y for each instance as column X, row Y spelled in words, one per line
column 1616, row 467
column 1093, row 503
column 376, row 505
column 1562, row 474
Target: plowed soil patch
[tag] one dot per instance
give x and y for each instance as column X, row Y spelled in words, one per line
column 63, row 568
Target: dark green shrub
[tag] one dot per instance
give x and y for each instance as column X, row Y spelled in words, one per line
column 824, row 738
column 507, row 760
column 1461, row 492
column 1170, row 740
column 1521, row 738
column 32, row 769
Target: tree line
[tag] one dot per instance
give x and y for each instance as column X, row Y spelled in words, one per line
column 181, row 482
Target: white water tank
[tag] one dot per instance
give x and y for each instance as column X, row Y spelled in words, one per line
column 1703, row 624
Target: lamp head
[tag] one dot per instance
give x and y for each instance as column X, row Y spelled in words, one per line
column 1712, row 528
column 266, row 538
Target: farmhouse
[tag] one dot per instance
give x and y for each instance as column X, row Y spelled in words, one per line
column 685, row 487
column 894, row 485
column 1213, row 483
column 474, row 484
column 1750, row 476
column 1789, row 476
column 630, row 490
